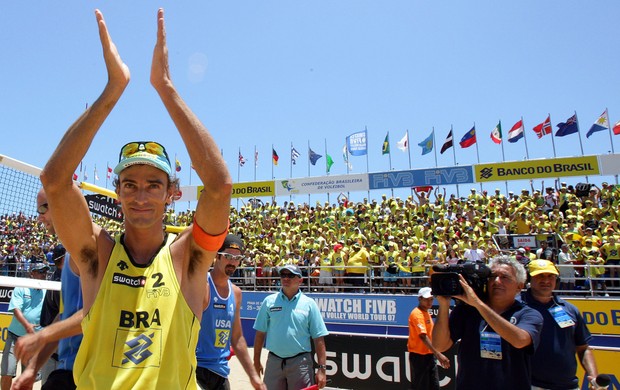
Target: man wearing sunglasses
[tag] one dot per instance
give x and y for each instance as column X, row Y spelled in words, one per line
column 220, row 327
column 289, row 320
column 143, row 290
column 64, row 334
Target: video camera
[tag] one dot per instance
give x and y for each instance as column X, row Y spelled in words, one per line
column 445, row 278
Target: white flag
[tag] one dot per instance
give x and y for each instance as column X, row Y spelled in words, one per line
column 403, row 144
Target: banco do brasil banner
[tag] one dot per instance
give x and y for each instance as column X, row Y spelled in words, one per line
column 537, row 169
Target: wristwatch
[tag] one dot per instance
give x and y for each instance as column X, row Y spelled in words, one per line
column 322, row 366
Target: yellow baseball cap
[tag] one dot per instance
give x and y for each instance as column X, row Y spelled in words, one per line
column 542, row 267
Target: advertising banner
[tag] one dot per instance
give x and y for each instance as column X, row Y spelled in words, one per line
column 347, row 308
column 322, row 184
column 253, row 189
column 601, row 316
column 537, row 169
column 360, row 362
column 104, row 206
column 421, row 177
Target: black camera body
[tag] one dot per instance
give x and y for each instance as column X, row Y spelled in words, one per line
column 445, row 278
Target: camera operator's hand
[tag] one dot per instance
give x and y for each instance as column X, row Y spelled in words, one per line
column 468, row 296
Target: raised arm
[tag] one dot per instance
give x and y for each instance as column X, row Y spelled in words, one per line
column 72, row 219
column 213, row 206
column 441, row 330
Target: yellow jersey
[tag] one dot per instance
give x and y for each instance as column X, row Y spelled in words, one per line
column 140, row 332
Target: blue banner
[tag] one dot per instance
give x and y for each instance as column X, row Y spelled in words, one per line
column 344, row 308
column 421, row 177
column 356, row 143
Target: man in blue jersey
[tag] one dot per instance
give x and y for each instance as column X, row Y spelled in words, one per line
column 289, row 320
column 220, row 327
column 65, row 333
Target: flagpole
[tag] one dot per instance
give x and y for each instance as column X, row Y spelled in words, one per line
column 552, row 136
column 503, row 155
column 580, row 143
column 367, row 166
column 272, row 164
column 389, row 150
column 255, row 161
column 309, row 168
column 454, row 156
column 238, row 172
column 477, row 152
column 326, row 165
column 107, row 173
column 434, row 146
column 291, row 165
column 527, row 153
column 611, row 140
column 409, row 151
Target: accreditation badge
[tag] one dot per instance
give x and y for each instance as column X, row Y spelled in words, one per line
column 490, row 346
column 561, row 317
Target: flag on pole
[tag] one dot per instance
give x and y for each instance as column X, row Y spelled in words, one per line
column 274, row 156
column 85, row 173
column 386, row 144
column 345, row 156
column 602, row 123
column 313, row 156
column 241, row 159
column 496, row 133
column 255, row 158
column 448, row 143
column 516, row 132
column 616, row 128
column 109, row 175
column 469, row 138
column 329, row 162
column 543, row 128
column 294, row 155
column 568, row 127
column 427, row 144
column 403, row 144
column 177, row 165
column 356, row 144
column 95, row 174
column 75, row 176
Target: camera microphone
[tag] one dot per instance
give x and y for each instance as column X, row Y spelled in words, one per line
column 601, row 382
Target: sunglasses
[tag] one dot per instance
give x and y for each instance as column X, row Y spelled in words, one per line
column 229, row 256
column 42, row 209
column 287, row 275
column 150, row 147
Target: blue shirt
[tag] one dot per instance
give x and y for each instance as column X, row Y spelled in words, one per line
column 71, row 302
column 30, row 302
column 290, row 324
column 213, row 346
column 554, row 365
column 513, row 371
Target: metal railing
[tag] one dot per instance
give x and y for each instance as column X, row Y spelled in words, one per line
column 585, row 282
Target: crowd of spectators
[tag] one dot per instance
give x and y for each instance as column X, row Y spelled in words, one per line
column 391, row 243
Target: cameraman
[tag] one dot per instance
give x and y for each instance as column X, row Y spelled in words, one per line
column 498, row 334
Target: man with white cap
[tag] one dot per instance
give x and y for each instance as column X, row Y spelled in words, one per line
column 143, row 289
column 289, row 320
column 422, row 354
column 564, row 333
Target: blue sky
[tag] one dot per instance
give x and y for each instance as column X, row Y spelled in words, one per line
column 259, row 73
